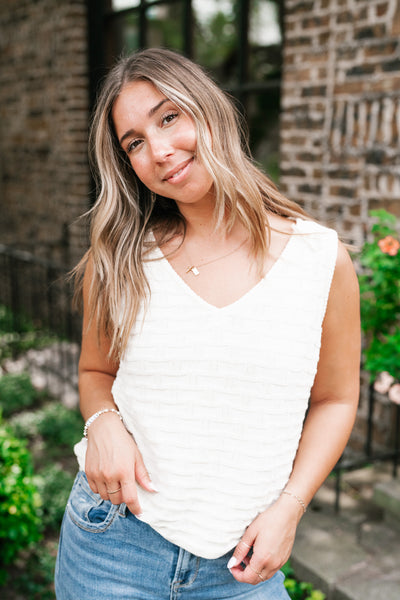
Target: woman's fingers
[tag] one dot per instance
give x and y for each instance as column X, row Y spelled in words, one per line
column 130, row 497
column 240, row 559
column 102, row 489
column 114, row 492
column 120, row 491
column 114, row 470
column 257, row 556
column 92, row 484
column 142, row 476
column 255, row 569
column 241, row 551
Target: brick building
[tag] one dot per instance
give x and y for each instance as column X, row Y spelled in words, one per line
column 44, row 177
column 340, row 117
column 340, row 124
column 52, row 55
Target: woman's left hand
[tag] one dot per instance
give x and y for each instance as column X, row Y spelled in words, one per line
column 267, row 542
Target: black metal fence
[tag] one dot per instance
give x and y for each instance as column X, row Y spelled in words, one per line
column 373, row 450
column 39, row 329
column 38, row 290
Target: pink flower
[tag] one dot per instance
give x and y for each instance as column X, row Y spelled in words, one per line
column 389, row 245
column 394, row 393
column 383, row 382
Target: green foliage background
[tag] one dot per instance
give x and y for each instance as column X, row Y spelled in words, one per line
column 20, row 525
column 380, row 299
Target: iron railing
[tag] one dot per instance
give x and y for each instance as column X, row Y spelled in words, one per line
column 372, row 451
column 41, row 333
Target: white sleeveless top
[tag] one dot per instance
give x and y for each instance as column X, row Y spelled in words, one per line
column 216, row 397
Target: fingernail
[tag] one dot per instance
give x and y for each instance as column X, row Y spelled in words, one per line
column 153, row 487
column 233, row 562
column 140, row 515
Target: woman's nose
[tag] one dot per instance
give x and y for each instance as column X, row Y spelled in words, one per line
column 160, row 149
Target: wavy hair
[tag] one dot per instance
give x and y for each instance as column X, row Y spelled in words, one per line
column 126, row 211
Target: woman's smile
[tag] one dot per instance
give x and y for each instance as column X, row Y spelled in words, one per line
column 176, row 176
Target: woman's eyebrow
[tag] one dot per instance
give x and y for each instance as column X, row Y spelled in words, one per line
column 155, row 108
column 151, row 112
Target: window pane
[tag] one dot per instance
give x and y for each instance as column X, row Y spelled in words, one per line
column 121, row 4
column 123, row 36
column 215, row 42
column 265, row 40
column 165, row 26
column 263, row 121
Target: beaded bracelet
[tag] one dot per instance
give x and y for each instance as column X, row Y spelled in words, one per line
column 97, row 414
column 299, row 500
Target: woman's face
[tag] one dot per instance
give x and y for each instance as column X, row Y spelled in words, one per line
column 160, row 142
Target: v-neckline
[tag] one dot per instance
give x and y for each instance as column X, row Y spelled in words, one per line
column 246, row 294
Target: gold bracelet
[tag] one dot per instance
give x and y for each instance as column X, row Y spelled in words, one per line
column 299, row 500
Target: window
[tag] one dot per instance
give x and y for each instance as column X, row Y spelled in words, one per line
column 238, row 41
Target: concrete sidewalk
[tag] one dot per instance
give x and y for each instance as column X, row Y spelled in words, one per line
column 354, row 555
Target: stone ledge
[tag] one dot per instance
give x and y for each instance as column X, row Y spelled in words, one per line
column 348, row 558
column 387, row 497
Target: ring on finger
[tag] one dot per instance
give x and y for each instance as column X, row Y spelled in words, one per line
column 114, row 491
column 244, row 544
column 256, row 572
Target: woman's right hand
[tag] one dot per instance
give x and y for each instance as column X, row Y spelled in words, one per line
column 114, row 465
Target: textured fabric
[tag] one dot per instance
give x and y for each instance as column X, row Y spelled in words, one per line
column 106, row 553
column 216, row 397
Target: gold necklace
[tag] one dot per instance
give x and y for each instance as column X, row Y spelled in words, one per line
column 194, row 269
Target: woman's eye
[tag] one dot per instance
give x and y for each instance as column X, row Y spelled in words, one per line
column 132, row 145
column 170, row 117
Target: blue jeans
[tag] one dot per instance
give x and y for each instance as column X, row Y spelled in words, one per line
column 105, row 553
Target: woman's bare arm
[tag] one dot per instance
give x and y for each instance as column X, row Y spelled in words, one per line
column 112, row 459
column 329, row 421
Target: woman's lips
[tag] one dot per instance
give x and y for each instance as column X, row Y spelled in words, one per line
column 175, row 176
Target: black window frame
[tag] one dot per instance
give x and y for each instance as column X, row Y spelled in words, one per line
column 101, row 15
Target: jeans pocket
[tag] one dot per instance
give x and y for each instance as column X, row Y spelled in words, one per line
column 87, row 509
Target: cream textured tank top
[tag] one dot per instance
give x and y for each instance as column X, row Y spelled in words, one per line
column 216, row 397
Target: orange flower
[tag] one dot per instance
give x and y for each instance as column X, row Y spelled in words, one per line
column 389, row 245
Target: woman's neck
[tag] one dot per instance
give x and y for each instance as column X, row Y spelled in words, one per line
column 201, row 225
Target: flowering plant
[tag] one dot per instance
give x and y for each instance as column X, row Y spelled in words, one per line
column 380, row 303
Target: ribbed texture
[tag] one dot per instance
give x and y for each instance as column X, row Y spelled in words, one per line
column 216, row 398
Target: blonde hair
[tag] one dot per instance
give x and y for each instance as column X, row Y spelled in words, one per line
column 125, row 210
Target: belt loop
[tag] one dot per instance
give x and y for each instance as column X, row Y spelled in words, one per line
column 122, row 508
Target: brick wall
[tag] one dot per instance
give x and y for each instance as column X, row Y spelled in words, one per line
column 44, row 176
column 340, row 136
column 340, row 126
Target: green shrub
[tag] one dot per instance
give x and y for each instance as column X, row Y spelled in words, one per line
column 299, row 590
column 52, row 430
column 16, row 393
column 18, row 334
column 54, row 485
column 33, row 574
column 24, row 424
column 59, row 426
column 380, row 296
column 19, row 499
column 9, row 322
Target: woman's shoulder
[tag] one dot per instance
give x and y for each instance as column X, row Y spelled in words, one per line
column 290, row 225
column 309, row 230
column 310, row 226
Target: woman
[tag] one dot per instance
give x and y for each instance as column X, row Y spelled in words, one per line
column 216, row 315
